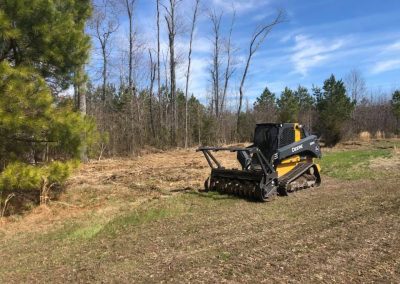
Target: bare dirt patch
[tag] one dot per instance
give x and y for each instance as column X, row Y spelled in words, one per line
column 391, row 164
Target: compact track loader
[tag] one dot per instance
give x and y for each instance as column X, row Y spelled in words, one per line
column 280, row 161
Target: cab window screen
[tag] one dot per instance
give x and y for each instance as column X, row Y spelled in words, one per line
column 266, row 139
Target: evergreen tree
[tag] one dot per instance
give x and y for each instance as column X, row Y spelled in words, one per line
column 30, row 121
column 265, row 106
column 196, row 114
column 396, row 106
column 306, row 101
column 334, row 108
column 34, row 130
column 265, row 100
column 306, row 106
column 42, row 46
column 317, row 93
column 47, row 35
column 288, row 106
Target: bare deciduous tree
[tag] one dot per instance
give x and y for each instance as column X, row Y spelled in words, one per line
column 104, row 24
column 188, row 69
column 355, row 84
column 257, row 39
column 171, row 20
column 229, row 70
column 153, row 68
column 129, row 6
column 158, row 63
column 216, row 61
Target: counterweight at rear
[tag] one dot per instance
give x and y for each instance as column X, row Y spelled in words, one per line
column 280, row 161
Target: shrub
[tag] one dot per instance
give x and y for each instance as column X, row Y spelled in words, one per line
column 18, row 176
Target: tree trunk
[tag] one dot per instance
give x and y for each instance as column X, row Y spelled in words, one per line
column 152, row 78
column 257, row 39
column 188, row 72
column 104, row 86
column 171, row 24
column 158, row 64
column 83, row 111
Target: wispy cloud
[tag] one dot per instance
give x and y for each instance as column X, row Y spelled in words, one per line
column 240, row 5
column 393, row 47
column 310, row 52
column 386, row 65
column 387, row 60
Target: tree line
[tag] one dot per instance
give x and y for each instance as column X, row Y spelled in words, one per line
column 154, row 111
column 328, row 111
column 138, row 85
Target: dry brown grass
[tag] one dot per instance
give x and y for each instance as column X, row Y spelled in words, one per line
column 143, row 220
column 391, row 164
column 364, row 136
column 115, row 185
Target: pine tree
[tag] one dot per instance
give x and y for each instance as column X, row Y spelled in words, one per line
column 265, row 106
column 306, row 106
column 29, row 119
column 288, row 106
column 306, row 101
column 396, row 106
column 42, row 47
column 267, row 98
column 48, row 35
column 334, row 108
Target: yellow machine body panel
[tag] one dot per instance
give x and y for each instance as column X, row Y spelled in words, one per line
column 290, row 163
column 287, row 165
column 297, row 132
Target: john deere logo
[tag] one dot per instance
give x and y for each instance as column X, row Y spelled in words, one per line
column 297, row 148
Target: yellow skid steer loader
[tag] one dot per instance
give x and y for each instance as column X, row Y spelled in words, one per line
column 280, row 160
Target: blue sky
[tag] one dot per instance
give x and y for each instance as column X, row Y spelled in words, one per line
column 319, row 38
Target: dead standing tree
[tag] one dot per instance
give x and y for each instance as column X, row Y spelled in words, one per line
column 104, row 24
column 128, row 6
column 257, row 39
column 356, row 89
column 188, row 69
column 153, row 69
column 216, row 62
column 159, row 66
column 171, row 20
column 81, row 79
column 229, row 69
column 355, row 85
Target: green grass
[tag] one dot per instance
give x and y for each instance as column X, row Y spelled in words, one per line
column 351, row 165
column 86, row 233
column 156, row 210
column 151, row 212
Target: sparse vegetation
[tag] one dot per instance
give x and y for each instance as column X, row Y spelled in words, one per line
column 353, row 164
column 125, row 223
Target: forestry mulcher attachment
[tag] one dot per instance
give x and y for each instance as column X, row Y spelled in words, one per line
column 280, row 161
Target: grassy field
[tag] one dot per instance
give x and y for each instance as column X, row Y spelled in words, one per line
column 144, row 220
